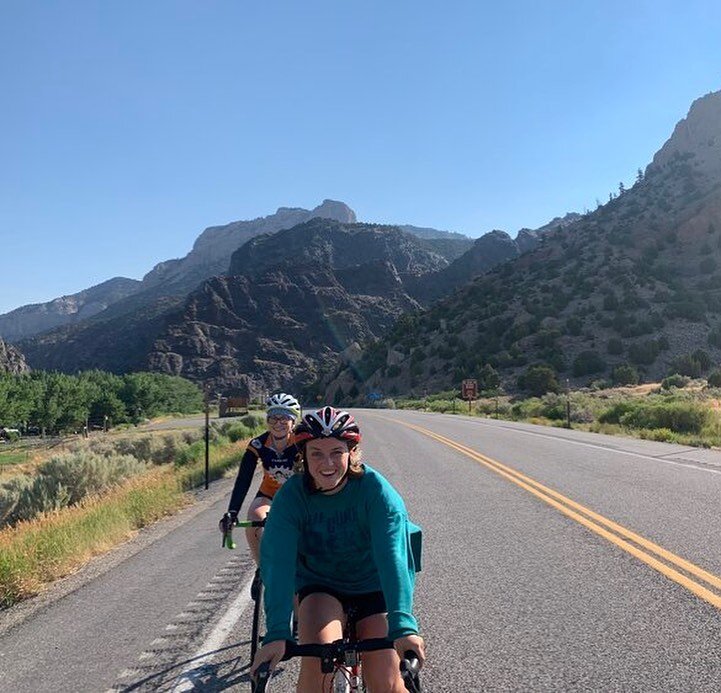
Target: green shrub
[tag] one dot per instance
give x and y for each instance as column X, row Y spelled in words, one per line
column 587, row 362
column 195, row 452
column 614, row 346
column 680, row 417
column 662, row 435
column 538, row 380
column 625, row 374
column 692, row 365
column 714, row 379
column 644, row 352
column 238, row 432
column 714, row 337
column 64, row 480
column 675, row 380
column 613, row 414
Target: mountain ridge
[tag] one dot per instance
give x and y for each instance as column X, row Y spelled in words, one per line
column 634, row 284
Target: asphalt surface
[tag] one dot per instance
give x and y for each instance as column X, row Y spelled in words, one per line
column 514, row 594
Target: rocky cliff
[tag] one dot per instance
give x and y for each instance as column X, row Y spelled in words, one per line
column 292, row 303
column 11, row 360
column 279, row 327
column 40, row 317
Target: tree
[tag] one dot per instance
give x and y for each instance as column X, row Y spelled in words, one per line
column 538, row 380
column 488, row 378
column 625, row 374
column 587, row 362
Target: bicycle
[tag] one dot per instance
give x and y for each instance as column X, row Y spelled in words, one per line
column 256, row 587
column 343, row 662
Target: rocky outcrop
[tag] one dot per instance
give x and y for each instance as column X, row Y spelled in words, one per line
column 213, row 248
column 336, row 245
column 11, row 360
column 278, row 328
column 489, row 250
column 697, row 136
column 40, row 317
column 293, row 302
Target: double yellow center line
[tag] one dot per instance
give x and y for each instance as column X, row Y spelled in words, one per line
column 652, row 554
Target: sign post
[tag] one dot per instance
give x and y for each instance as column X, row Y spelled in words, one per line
column 206, row 394
column 469, row 391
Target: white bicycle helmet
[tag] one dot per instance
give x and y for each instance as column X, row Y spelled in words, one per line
column 282, row 403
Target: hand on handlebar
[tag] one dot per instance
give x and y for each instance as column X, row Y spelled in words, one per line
column 227, row 522
column 272, row 652
column 414, row 643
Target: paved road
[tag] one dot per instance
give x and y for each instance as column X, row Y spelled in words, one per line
column 526, row 585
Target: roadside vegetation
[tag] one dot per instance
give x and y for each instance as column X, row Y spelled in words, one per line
column 50, row 403
column 679, row 410
column 84, row 501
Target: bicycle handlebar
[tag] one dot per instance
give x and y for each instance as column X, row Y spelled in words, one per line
column 228, row 542
column 329, row 653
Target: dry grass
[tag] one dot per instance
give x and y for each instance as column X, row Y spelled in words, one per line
column 54, row 545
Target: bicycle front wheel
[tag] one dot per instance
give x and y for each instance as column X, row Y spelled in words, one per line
column 257, row 593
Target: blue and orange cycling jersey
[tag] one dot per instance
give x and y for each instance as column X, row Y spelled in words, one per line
column 277, row 468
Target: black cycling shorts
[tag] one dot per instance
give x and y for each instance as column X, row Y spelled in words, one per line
column 360, row 606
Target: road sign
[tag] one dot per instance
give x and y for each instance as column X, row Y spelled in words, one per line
column 469, row 389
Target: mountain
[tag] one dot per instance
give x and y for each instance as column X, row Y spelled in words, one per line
column 491, row 249
column 636, row 283
column 171, row 278
column 292, row 303
column 371, row 260
column 327, row 242
column 211, row 250
column 103, row 339
column 40, row 317
column 11, row 360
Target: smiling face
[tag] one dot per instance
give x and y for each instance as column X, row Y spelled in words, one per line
column 280, row 425
column 327, row 460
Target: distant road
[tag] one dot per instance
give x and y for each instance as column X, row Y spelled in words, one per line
column 554, row 560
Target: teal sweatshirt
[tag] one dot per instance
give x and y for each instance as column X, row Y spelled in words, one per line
column 354, row 541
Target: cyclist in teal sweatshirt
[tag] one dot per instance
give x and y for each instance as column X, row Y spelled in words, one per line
column 339, row 537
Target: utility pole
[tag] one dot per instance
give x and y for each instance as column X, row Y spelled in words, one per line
column 568, row 404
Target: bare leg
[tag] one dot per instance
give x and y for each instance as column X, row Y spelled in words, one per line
column 320, row 620
column 258, row 510
column 381, row 671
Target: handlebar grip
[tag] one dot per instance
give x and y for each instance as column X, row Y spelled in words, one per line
column 228, row 542
column 260, row 680
column 410, row 668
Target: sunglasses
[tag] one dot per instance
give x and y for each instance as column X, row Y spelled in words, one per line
column 279, row 419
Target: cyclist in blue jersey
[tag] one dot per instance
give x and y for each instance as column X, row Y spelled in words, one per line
column 338, row 537
column 276, row 452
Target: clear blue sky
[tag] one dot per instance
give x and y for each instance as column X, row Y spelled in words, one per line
column 128, row 127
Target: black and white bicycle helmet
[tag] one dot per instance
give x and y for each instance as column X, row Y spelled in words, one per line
column 282, row 403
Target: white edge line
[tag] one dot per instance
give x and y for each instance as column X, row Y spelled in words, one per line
column 206, row 652
column 690, row 464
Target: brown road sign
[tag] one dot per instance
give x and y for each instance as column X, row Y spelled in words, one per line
column 469, row 389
